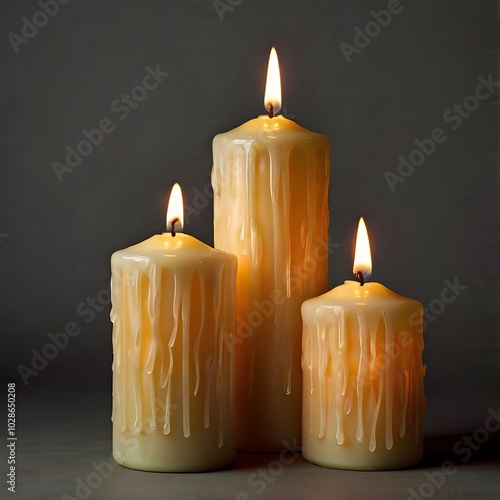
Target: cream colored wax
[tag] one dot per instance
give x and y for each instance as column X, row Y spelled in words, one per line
column 270, row 178
column 363, row 378
column 173, row 318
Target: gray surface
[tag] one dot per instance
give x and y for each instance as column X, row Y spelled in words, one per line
column 61, row 435
column 441, row 223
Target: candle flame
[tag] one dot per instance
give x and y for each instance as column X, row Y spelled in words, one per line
column 175, row 209
column 362, row 254
column 272, row 95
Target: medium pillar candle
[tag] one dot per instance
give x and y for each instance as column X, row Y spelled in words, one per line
column 173, row 316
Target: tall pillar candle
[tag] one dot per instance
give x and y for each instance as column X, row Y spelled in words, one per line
column 173, row 316
column 270, row 179
column 363, row 377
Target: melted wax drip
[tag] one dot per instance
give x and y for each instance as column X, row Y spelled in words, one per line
column 326, row 341
column 144, row 361
column 236, row 178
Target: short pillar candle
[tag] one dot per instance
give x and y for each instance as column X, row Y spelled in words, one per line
column 363, row 392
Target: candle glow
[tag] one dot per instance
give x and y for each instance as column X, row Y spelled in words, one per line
column 175, row 209
column 362, row 253
column 272, row 95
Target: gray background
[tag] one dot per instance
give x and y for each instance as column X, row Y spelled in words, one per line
column 440, row 223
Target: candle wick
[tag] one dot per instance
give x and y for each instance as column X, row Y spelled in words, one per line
column 271, row 111
column 174, row 222
column 360, row 277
